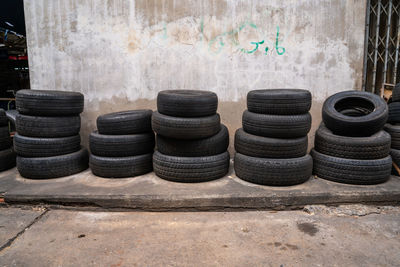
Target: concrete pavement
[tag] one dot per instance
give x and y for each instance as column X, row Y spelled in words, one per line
column 316, row 236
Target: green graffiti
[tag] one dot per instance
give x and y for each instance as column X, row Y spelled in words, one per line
column 266, row 50
column 254, row 50
column 283, row 50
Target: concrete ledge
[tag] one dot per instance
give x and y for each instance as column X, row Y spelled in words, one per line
column 148, row 192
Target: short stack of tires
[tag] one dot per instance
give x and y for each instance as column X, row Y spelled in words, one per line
column 350, row 145
column 7, row 155
column 191, row 141
column 123, row 145
column 271, row 148
column 393, row 128
column 47, row 141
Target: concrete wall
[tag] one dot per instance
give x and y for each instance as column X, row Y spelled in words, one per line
column 119, row 54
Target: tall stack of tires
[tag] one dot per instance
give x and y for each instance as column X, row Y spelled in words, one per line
column 123, row 145
column 393, row 127
column 47, row 141
column 350, row 145
column 7, row 155
column 191, row 141
column 271, row 148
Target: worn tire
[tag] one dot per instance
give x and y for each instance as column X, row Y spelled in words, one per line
column 35, row 126
column 7, row 159
column 373, row 106
column 394, row 131
column 276, row 172
column 187, row 103
column 190, row 169
column 125, row 122
column 185, row 128
column 121, row 167
column 376, row 146
column 351, row 171
column 213, row 145
column 121, row 145
column 32, row 147
column 395, row 154
column 279, row 101
column 5, row 139
column 49, row 103
column 53, row 167
column 396, row 93
column 267, row 147
column 3, row 118
column 277, row 126
column 394, row 112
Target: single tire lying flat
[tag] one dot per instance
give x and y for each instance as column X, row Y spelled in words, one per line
column 394, row 112
column 53, row 167
column 267, row 147
column 32, row 147
column 190, row 169
column 187, row 103
column 7, row 159
column 35, row 126
column 186, row 128
column 3, row 118
column 396, row 93
column 121, row 145
column 125, row 122
column 213, row 145
column 49, row 103
column 371, row 115
column 376, row 146
column 278, row 126
column 279, row 101
column 395, row 154
column 351, row 171
column 276, row 172
column 394, row 131
column 5, row 139
column 121, row 167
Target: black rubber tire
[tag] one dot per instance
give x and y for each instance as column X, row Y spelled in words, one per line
column 185, row 128
column 279, row 101
column 7, row 159
column 34, row 126
column 125, row 122
column 376, row 146
column 396, row 93
column 187, row 103
column 213, row 145
column 190, row 169
column 351, row 171
column 278, row 126
column 121, row 167
column 49, row 103
column 53, row 167
column 395, row 154
column 275, row 172
column 350, row 125
column 32, row 147
column 267, row 147
column 394, row 131
column 394, row 112
column 3, row 118
column 5, row 139
column 121, row 145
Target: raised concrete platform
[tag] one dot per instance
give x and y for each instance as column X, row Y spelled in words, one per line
column 148, row 192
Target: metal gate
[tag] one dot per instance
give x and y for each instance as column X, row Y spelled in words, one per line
column 381, row 55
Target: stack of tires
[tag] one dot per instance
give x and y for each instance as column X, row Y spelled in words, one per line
column 191, row 141
column 123, row 145
column 271, row 148
column 47, row 141
column 393, row 127
column 7, row 155
column 350, row 145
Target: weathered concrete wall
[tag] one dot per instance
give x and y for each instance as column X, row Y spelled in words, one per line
column 121, row 53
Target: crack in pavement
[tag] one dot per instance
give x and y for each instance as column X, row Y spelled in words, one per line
column 11, row 240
